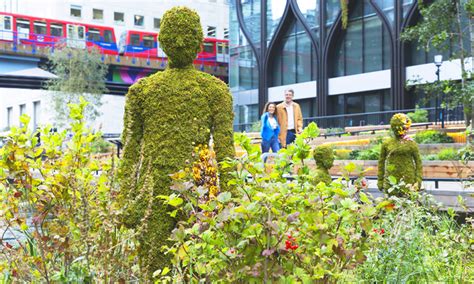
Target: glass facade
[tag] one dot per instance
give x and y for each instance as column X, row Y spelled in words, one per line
column 301, row 52
column 365, row 46
column 294, row 59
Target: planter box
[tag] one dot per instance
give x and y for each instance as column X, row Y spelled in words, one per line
column 431, row 169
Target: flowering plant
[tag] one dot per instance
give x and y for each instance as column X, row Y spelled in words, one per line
column 271, row 229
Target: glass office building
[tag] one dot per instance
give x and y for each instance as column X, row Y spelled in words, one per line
column 300, row 44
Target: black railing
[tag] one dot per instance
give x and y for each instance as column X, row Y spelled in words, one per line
column 451, row 116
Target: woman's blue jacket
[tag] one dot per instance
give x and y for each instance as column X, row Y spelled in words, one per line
column 267, row 131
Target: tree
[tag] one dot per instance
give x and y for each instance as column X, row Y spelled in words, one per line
column 80, row 72
column 442, row 24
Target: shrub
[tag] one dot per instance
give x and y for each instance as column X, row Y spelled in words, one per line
column 420, row 115
column 62, row 217
column 416, row 243
column 275, row 230
column 342, row 154
column 448, row 154
column 432, row 137
column 367, row 154
column 101, row 146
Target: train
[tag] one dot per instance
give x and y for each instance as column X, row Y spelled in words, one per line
column 22, row 29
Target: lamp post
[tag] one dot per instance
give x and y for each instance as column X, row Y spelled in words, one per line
column 438, row 61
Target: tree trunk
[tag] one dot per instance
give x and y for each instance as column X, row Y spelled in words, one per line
column 464, row 91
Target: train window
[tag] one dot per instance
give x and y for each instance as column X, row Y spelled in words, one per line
column 24, row 24
column 80, row 32
column 108, row 36
column 56, row 30
column 135, row 39
column 39, row 28
column 94, row 35
column 208, row 47
column 219, row 48
column 148, row 41
column 7, row 23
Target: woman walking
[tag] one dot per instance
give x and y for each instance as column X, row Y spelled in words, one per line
column 270, row 129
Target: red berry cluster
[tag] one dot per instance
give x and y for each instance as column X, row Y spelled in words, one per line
column 290, row 243
column 379, row 231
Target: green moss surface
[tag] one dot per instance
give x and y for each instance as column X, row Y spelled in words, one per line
column 324, row 157
column 180, row 36
column 166, row 116
column 399, row 157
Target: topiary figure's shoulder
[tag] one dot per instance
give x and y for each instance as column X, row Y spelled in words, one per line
column 211, row 81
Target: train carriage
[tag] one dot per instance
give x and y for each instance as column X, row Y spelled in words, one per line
column 47, row 32
column 37, row 31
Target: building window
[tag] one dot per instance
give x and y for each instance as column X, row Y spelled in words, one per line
column 211, row 31
column 138, row 20
column 9, row 116
column 294, row 60
column 36, row 114
column 22, row 111
column 226, row 33
column 156, row 23
column 365, row 46
column 76, row 11
column 119, row 18
column 98, row 14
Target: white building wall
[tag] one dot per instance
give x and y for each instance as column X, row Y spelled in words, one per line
column 449, row 70
column 110, row 121
column 213, row 12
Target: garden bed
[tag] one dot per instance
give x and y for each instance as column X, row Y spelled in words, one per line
column 431, row 169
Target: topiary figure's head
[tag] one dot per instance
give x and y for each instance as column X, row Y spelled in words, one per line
column 400, row 123
column 324, row 156
column 180, row 36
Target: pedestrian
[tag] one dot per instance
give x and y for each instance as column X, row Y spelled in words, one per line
column 270, row 129
column 290, row 119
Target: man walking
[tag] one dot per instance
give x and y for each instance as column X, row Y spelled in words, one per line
column 290, row 119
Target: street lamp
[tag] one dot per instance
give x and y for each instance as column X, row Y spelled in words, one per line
column 438, row 61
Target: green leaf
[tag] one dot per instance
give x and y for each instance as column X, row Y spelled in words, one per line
column 350, row 167
column 224, row 197
column 25, row 119
column 364, row 198
column 392, row 180
column 175, row 202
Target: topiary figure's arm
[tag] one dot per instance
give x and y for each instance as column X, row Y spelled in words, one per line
column 131, row 140
column 381, row 166
column 418, row 165
column 222, row 127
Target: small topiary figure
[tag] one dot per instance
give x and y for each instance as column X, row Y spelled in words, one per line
column 399, row 157
column 324, row 157
column 166, row 116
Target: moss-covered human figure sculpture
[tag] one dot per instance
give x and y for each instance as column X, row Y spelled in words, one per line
column 399, row 157
column 324, row 157
column 166, row 116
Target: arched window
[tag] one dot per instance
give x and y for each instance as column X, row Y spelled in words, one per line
column 364, row 46
column 294, row 57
